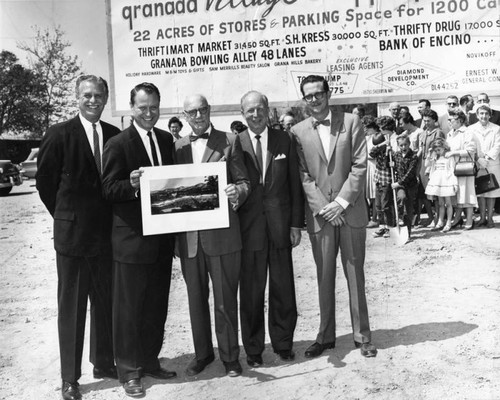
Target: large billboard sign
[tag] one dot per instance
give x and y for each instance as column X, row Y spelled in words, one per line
column 369, row 50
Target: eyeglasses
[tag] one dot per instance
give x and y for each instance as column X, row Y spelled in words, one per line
column 452, row 104
column 193, row 113
column 452, row 119
column 315, row 96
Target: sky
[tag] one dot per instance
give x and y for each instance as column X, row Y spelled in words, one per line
column 84, row 24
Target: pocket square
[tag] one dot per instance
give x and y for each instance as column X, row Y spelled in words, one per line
column 280, row 157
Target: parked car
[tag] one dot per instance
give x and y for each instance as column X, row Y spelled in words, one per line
column 29, row 165
column 10, row 175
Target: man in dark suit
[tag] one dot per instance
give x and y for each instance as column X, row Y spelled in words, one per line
column 69, row 183
column 423, row 105
column 142, row 264
column 484, row 99
column 270, row 222
column 217, row 252
column 332, row 162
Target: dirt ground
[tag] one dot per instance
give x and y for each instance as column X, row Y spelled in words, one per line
column 434, row 309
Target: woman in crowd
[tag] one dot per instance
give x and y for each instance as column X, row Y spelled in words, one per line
column 430, row 133
column 488, row 151
column 371, row 128
column 462, row 148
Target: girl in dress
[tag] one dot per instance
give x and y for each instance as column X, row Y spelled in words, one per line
column 443, row 183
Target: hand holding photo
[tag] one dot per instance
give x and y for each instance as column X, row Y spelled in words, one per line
column 186, row 197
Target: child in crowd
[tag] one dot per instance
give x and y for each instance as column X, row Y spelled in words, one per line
column 380, row 152
column 405, row 179
column 442, row 183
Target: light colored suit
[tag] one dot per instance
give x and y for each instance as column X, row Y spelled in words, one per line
column 341, row 173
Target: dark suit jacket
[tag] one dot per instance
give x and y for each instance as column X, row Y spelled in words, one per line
column 70, row 187
column 344, row 175
column 278, row 204
column 216, row 242
column 123, row 154
column 494, row 119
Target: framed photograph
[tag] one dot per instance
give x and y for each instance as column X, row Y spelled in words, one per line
column 184, row 197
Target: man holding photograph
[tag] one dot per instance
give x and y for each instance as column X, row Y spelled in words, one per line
column 217, row 252
column 142, row 264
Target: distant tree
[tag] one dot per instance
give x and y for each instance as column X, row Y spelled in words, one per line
column 48, row 58
column 21, row 97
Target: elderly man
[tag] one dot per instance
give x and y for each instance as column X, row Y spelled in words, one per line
column 332, row 163
column 287, row 120
column 213, row 253
column 270, row 222
column 142, row 264
column 394, row 110
column 69, row 183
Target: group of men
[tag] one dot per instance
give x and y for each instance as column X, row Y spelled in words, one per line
column 89, row 180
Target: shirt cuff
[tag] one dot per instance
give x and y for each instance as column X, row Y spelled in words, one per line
column 344, row 204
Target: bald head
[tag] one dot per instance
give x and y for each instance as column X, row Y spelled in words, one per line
column 255, row 110
column 197, row 113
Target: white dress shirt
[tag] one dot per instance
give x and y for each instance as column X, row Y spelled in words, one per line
column 263, row 144
column 89, row 131
column 199, row 146
column 145, row 140
column 325, row 136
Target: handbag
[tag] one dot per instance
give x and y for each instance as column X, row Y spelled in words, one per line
column 486, row 183
column 465, row 168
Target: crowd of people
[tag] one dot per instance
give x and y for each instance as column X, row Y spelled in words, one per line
column 331, row 170
column 414, row 165
column 89, row 179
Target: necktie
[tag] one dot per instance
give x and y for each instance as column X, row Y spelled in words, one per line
column 258, row 154
column 97, row 149
column 325, row 122
column 194, row 137
column 153, row 150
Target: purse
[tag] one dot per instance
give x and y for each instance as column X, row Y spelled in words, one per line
column 486, row 183
column 465, row 168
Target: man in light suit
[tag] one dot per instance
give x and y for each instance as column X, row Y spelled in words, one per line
column 270, row 222
column 216, row 252
column 69, row 183
column 142, row 264
column 332, row 163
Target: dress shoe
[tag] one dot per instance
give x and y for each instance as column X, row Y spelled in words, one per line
column 70, row 391
column 367, row 349
column 316, row 349
column 286, row 355
column 482, row 222
column 196, row 366
column 133, row 388
column 160, row 373
column 101, row 373
column 254, row 361
column 233, row 368
column 490, row 224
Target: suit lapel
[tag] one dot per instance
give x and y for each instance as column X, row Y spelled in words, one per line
column 185, row 155
column 272, row 144
column 247, row 146
column 214, row 147
column 83, row 143
column 138, row 147
column 164, row 147
column 314, row 138
column 336, row 128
